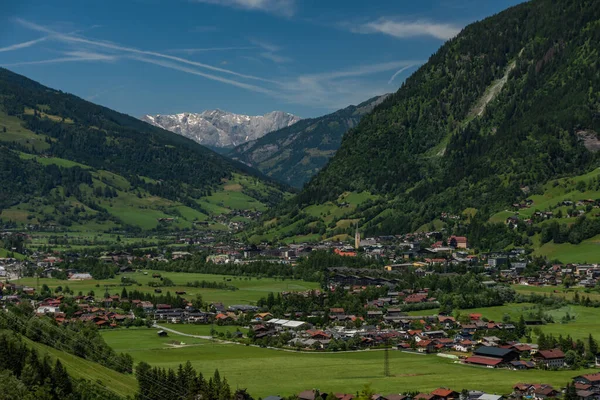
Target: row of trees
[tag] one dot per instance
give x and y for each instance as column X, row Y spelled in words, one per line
column 183, row 384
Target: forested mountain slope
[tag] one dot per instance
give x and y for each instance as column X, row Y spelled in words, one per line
column 61, row 156
column 510, row 103
column 295, row 153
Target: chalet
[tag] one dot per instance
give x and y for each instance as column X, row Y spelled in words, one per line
column 426, row 346
column 445, row 394
column 80, row 277
column 263, row 316
column 586, row 395
column 521, row 365
column 589, row 379
column 465, row 346
column 504, row 355
column 342, row 396
column 458, row 242
column 311, row 395
column 545, row 392
column 554, row 358
column 488, row 362
column 424, row 396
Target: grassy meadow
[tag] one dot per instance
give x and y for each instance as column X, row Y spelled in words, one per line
column 267, row 371
column 250, row 289
column 121, row 384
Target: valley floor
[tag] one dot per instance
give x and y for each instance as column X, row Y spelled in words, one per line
column 267, row 372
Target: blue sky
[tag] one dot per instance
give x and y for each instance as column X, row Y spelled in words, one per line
column 307, row 57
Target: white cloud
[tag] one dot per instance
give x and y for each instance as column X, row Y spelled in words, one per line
column 401, row 70
column 285, row 8
column 266, row 45
column 330, row 90
column 270, row 52
column 337, row 89
column 203, row 50
column 275, row 57
column 116, row 47
column 406, row 29
column 73, row 56
column 192, row 71
column 22, row 45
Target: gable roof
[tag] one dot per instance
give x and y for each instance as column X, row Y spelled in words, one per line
column 483, row 360
column 551, row 354
column 443, row 392
column 591, row 377
column 489, row 351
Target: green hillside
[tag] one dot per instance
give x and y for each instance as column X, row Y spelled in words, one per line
column 295, row 153
column 68, row 163
column 561, row 220
column 505, row 107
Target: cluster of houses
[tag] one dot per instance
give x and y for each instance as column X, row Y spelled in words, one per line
column 576, row 208
column 587, row 388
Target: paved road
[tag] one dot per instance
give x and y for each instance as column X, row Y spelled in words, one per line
column 164, row 328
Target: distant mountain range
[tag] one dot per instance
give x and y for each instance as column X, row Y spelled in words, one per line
column 295, row 153
column 222, row 129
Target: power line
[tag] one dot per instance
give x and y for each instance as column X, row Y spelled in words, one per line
column 386, row 362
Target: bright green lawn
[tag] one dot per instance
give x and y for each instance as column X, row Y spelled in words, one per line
column 557, row 291
column 265, row 371
column 204, row 330
column 587, row 251
column 124, row 385
column 587, row 319
column 250, row 290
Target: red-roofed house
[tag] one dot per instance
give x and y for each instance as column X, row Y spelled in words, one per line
column 554, row 358
column 445, row 393
column 459, row 242
column 426, row 346
column 488, row 362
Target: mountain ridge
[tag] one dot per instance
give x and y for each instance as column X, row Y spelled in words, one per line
column 431, row 149
column 221, row 129
column 294, row 154
column 67, row 162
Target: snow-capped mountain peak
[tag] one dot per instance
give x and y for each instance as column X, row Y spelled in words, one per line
column 218, row 128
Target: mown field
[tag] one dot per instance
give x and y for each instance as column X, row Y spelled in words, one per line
column 266, row 371
column 121, row 384
column 586, row 319
column 559, row 291
column 250, row 289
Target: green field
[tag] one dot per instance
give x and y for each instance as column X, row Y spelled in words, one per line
column 121, row 384
column 588, row 251
column 266, row 371
column 250, row 289
column 557, row 291
column 587, row 319
column 204, row 330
